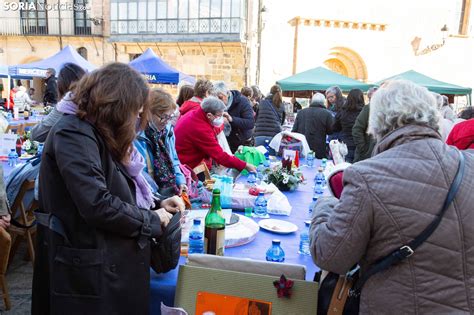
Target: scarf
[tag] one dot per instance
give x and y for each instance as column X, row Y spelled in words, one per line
column 143, row 193
column 163, row 169
column 66, row 105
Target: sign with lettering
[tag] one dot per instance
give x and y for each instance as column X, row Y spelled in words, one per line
column 7, row 143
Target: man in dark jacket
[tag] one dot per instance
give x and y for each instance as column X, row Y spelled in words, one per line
column 51, row 93
column 315, row 122
column 239, row 114
column 363, row 141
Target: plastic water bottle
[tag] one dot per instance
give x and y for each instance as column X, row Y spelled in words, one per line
column 312, row 204
column 260, row 208
column 40, row 148
column 310, row 159
column 267, row 147
column 266, row 163
column 319, row 182
column 304, row 240
column 324, row 163
column 275, row 253
column 9, row 116
column 251, row 179
column 196, row 238
column 260, row 171
column 12, row 158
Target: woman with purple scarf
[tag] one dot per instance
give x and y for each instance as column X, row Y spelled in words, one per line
column 93, row 250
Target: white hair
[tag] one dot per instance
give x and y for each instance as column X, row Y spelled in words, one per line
column 220, row 88
column 212, row 105
column 399, row 103
column 318, row 99
column 439, row 99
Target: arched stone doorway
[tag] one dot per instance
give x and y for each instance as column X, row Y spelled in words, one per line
column 347, row 62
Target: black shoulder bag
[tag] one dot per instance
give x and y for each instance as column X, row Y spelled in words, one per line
column 340, row 294
column 166, row 250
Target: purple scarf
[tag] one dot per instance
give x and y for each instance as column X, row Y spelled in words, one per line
column 134, row 168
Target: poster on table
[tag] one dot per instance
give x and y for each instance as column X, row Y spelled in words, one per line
column 7, row 143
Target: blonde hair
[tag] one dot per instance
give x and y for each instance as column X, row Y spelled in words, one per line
column 161, row 102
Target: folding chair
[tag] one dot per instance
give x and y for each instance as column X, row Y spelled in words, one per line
column 5, row 244
column 24, row 214
column 202, row 168
column 28, row 126
column 200, row 284
column 18, row 129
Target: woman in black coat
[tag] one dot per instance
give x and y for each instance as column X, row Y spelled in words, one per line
column 270, row 116
column 98, row 263
column 345, row 120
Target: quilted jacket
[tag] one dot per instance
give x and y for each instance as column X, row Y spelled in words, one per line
column 387, row 201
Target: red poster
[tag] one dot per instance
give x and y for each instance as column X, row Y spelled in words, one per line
column 217, row 304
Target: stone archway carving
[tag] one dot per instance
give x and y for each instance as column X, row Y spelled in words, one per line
column 347, row 62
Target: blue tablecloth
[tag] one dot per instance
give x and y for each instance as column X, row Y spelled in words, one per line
column 21, row 120
column 162, row 286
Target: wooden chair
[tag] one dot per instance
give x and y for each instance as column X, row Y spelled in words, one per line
column 18, row 129
column 202, row 168
column 29, row 125
column 5, row 244
column 24, row 214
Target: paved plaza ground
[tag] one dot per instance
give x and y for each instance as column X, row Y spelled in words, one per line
column 19, row 278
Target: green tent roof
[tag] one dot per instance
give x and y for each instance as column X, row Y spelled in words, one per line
column 430, row 83
column 320, row 79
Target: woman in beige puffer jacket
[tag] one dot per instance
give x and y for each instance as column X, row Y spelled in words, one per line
column 389, row 199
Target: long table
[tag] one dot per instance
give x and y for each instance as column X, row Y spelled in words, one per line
column 162, row 286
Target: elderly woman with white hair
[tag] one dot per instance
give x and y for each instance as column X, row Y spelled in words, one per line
column 196, row 140
column 390, row 199
column 315, row 122
column 447, row 116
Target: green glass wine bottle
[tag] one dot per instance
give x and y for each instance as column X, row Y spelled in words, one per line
column 214, row 234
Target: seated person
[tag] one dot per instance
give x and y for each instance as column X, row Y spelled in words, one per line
column 196, row 139
column 4, row 213
column 157, row 145
column 22, row 100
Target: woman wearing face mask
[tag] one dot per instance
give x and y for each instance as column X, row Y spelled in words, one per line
column 157, row 145
column 196, row 138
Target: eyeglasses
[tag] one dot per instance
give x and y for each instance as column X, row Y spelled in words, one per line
column 165, row 118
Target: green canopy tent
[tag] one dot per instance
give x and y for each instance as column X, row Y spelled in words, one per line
column 318, row 79
column 432, row 84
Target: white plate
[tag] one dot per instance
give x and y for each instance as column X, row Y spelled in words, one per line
column 278, row 226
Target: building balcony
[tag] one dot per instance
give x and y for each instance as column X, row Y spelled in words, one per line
column 179, row 30
column 50, row 26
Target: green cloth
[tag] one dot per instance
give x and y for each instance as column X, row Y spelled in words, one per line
column 250, row 155
column 318, row 79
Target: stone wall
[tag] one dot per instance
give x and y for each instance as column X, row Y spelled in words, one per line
column 214, row 61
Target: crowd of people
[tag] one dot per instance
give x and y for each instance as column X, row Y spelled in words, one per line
column 114, row 148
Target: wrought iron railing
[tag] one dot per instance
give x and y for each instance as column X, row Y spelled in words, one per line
column 178, row 26
column 50, row 26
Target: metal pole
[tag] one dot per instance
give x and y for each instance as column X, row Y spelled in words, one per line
column 259, row 40
column 60, row 29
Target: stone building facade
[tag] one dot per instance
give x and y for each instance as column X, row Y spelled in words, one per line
column 203, row 38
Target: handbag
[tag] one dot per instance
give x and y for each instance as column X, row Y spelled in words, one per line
column 165, row 250
column 340, row 294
